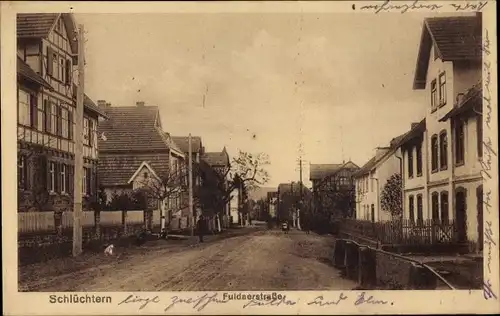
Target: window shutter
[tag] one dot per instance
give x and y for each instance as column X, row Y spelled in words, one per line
column 33, row 110
column 59, row 121
column 47, row 110
column 69, row 72
column 91, row 133
column 57, row 184
column 89, row 180
column 50, row 58
column 70, row 125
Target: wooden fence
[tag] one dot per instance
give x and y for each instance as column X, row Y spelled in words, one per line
column 403, row 232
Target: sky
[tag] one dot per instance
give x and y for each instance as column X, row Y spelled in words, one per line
column 325, row 87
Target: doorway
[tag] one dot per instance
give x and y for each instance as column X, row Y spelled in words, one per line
column 461, row 214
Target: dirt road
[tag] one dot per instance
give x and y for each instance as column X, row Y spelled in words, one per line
column 264, row 260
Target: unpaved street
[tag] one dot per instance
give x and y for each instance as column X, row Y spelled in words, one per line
column 265, row 260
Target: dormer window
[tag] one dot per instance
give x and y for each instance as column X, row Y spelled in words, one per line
column 434, row 99
column 442, row 89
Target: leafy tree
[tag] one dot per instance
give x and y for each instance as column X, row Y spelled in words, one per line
column 391, row 197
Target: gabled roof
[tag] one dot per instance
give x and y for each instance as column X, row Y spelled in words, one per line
column 172, row 145
column 117, row 169
column 457, row 38
column 320, row 171
column 131, row 128
column 26, row 72
column 287, row 187
column 136, row 173
column 183, row 143
column 216, row 158
column 416, row 131
column 91, row 106
column 472, row 100
column 39, row 25
column 375, row 160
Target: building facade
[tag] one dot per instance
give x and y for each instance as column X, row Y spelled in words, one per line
column 442, row 156
column 47, row 56
column 371, row 179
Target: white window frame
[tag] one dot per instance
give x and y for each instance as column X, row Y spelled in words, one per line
column 86, row 126
column 62, row 178
column 52, row 176
column 24, row 108
column 442, row 88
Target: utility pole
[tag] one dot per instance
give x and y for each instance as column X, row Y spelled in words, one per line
column 190, row 181
column 78, row 180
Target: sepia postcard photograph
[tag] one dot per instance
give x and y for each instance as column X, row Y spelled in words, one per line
column 249, row 157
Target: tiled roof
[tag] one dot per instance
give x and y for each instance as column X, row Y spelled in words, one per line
column 287, row 187
column 116, row 170
column 38, row 25
column 216, row 158
column 91, row 106
column 172, row 144
column 320, row 171
column 471, row 99
column 25, row 71
column 456, row 38
column 417, row 130
column 131, row 128
column 183, row 143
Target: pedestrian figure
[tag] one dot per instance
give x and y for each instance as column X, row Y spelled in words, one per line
column 201, row 228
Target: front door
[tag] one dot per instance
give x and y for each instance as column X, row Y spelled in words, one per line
column 461, row 215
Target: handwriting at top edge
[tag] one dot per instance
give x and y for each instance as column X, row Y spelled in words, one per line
column 468, row 6
column 388, row 5
column 488, row 291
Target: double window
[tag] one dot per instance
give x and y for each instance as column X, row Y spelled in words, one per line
column 420, row 211
column 435, row 206
column 442, row 89
column 57, row 119
column 439, row 151
column 58, row 66
column 438, row 92
column 444, row 208
column 410, row 163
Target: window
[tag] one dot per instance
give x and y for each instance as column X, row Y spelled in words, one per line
column 442, row 89
column 55, row 65
column 479, row 129
column 434, row 95
column 62, row 69
column 52, row 176
column 53, row 118
column 444, row 208
column 373, row 213
column 459, row 142
column 411, row 209
column 64, row 124
column 24, row 108
column 434, row 153
column 435, row 206
column 41, row 117
column 419, row 160
column 86, row 131
column 443, row 150
column 420, row 211
column 22, row 174
column 63, row 180
column 410, row 163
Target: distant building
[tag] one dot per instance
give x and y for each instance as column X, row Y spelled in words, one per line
column 272, row 202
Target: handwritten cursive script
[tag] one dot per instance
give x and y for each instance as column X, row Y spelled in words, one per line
column 270, row 302
column 198, row 303
column 370, row 300
column 468, row 6
column 388, row 5
column 488, row 239
column 143, row 302
column 488, row 291
column 319, row 300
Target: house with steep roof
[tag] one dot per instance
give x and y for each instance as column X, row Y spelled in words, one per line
column 134, row 149
column 448, row 187
column 330, row 182
column 47, row 56
column 371, row 178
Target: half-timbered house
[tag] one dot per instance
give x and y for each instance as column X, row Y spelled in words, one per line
column 47, row 51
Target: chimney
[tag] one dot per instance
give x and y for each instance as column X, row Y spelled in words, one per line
column 380, row 151
column 108, row 105
column 101, row 103
column 140, row 103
